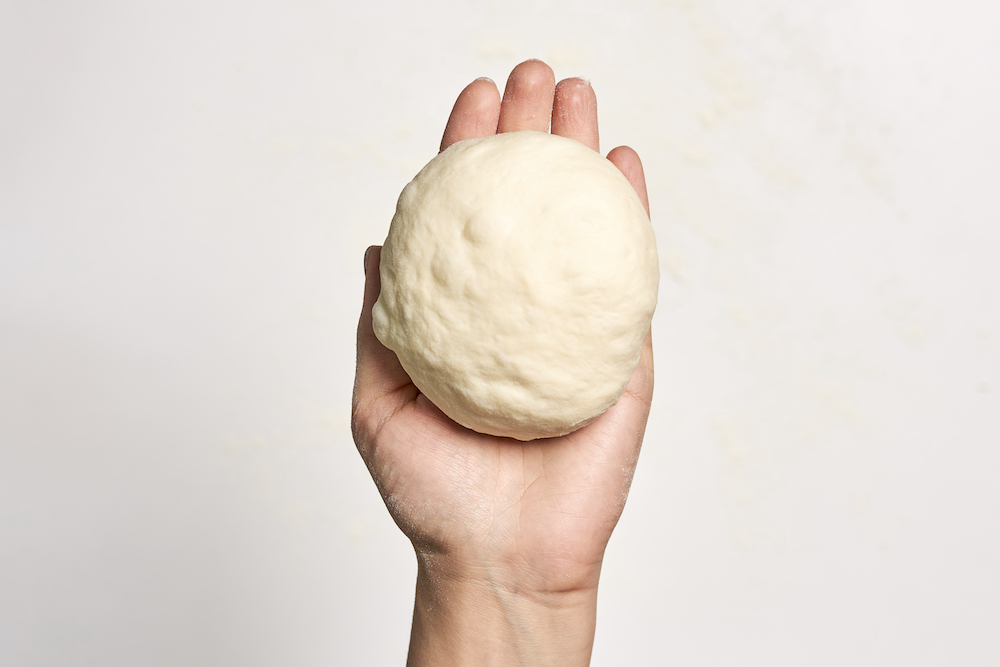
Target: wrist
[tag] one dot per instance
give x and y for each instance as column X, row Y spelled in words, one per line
column 497, row 615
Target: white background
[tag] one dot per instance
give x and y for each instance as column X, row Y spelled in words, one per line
column 186, row 192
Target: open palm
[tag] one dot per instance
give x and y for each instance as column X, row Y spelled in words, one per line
column 540, row 511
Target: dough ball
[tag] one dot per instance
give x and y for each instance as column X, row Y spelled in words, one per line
column 519, row 278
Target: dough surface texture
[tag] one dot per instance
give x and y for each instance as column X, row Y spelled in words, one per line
column 519, row 278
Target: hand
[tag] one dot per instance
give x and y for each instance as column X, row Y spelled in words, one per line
column 509, row 535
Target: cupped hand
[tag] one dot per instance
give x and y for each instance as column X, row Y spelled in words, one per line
column 533, row 516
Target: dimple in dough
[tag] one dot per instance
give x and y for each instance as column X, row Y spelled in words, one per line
column 519, row 278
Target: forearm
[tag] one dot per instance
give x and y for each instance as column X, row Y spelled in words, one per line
column 488, row 620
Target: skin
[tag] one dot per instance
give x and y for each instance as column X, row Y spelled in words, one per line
column 509, row 536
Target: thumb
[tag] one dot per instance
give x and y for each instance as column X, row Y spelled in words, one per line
column 378, row 374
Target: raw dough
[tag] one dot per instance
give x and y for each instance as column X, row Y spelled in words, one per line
column 519, row 278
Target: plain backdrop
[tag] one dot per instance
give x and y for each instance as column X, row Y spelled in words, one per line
column 186, row 192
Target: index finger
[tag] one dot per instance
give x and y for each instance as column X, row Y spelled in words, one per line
column 475, row 114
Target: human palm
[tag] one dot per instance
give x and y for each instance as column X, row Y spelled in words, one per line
column 542, row 511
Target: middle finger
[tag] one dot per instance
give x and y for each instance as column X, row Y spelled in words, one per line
column 527, row 100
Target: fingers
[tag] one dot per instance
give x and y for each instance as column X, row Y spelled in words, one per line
column 574, row 112
column 475, row 113
column 530, row 101
column 527, row 105
column 379, row 375
column 527, row 100
column 627, row 161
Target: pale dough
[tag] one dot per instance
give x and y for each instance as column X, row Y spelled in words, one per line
column 519, row 278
